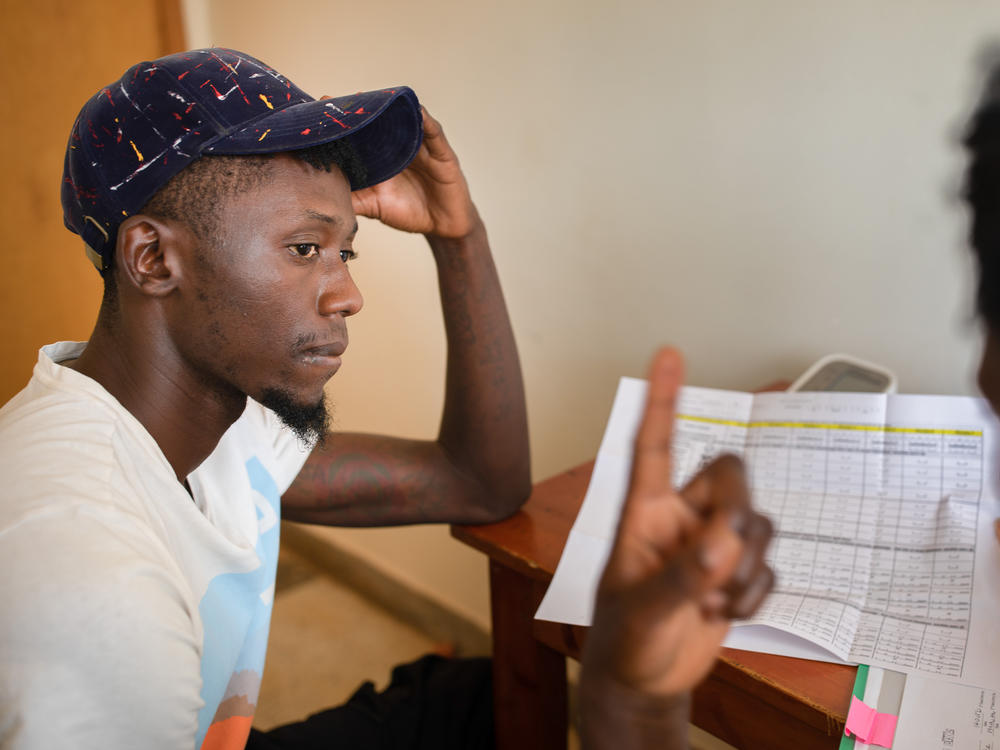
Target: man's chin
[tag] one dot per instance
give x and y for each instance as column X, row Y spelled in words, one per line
column 309, row 422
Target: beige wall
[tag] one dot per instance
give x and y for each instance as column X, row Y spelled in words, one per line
column 759, row 182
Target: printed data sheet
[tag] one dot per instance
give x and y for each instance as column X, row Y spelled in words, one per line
column 883, row 508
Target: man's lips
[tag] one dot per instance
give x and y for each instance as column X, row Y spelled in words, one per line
column 324, row 354
column 328, row 350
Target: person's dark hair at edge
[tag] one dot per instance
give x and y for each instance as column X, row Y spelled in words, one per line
column 193, row 195
column 982, row 191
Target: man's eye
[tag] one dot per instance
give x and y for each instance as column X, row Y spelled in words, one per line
column 304, row 249
column 346, row 255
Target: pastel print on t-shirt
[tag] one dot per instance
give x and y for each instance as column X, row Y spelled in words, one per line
column 236, row 614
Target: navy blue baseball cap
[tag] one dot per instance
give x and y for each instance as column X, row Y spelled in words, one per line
column 137, row 133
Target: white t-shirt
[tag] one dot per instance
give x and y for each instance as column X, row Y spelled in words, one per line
column 132, row 616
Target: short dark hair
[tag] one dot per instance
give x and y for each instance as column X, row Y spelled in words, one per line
column 982, row 193
column 192, row 196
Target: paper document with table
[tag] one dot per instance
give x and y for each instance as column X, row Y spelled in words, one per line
column 883, row 508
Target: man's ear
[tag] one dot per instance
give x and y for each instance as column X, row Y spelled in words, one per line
column 148, row 255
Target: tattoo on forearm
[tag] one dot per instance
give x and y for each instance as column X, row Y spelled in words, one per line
column 360, row 489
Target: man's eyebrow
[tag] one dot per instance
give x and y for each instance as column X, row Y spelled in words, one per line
column 327, row 219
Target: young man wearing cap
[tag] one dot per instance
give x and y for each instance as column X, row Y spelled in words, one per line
column 145, row 470
column 142, row 487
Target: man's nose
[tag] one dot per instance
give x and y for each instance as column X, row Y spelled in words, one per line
column 339, row 295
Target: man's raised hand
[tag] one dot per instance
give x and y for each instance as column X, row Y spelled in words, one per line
column 430, row 196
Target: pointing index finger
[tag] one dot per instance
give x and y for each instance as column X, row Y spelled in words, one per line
column 653, row 459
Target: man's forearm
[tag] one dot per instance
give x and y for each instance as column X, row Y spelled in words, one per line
column 484, row 425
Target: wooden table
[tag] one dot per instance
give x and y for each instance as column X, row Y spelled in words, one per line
column 750, row 700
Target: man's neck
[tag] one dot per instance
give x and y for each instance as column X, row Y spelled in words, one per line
column 183, row 415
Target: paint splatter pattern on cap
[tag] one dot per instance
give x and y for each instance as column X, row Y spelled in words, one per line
column 135, row 134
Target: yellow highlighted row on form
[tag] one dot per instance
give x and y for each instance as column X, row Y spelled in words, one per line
column 832, row 426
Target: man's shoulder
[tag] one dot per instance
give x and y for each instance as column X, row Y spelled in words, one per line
column 43, row 429
column 56, row 402
column 51, row 423
column 63, row 443
column 70, row 505
column 66, row 488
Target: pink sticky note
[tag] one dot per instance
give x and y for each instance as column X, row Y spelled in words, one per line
column 884, row 730
column 860, row 719
column 868, row 725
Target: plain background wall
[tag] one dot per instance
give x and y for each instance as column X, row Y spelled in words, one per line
column 759, row 183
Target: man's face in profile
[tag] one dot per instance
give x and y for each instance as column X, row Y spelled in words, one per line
column 264, row 302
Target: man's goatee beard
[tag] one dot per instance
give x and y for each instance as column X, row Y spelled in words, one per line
column 309, row 422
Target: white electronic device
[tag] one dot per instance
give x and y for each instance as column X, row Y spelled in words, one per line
column 842, row 372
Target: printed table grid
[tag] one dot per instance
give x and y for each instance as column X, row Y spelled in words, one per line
column 875, row 530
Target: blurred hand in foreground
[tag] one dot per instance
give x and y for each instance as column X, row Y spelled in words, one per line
column 682, row 565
